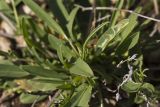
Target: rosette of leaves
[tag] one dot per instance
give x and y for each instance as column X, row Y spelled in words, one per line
column 58, row 61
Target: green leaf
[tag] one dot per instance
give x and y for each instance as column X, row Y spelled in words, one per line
column 81, row 98
column 44, row 16
column 67, row 52
column 43, row 72
column 57, row 44
column 37, row 29
column 128, row 43
column 58, row 9
column 116, row 13
column 28, row 38
column 131, row 25
column 54, row 42
column 71, row 21
column 62, row 8
column 50, row 80
column 109, row 35
column 12, row 71
column 139, row 99
column 131, row 86
column 93, row 33
column 81, row 68
column 5, row 7
column 60, row 54
column 36, row 86
column 149, row 87
column 36, row 54
column 60, row 12
column 29, row 98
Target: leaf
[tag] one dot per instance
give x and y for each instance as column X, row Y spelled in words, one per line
column 58, row 9
column 4, row 7
column 128, row 43
column 60, row 12
column 60, row 54
column 109, row 35
column 37, row 29
column 131, row 86
column 81, row 68
column 44, row 16
column 43, row 72
column 139, row 99
column 131, row 25
column 71, row 21
column 50, row 80
column 149, row 87
column 57, row 44
column 116, row 13
column 29, row 98
column 27, row 37
column 93, row 33
column 36, row 54
column 54, row 42
column 36, row 86
column 81, row 98
column 12, row 71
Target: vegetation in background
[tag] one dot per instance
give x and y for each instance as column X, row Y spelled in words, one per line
column 76, row 58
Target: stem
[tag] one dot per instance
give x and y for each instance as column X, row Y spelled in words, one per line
column 15, row 14
column 73, row 47
column 113, row 9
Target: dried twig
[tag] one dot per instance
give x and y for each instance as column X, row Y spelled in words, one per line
column 53, row 98
column 92, row 17
column 113, row 9
column 94, row 14
column 35, row 101
column 156, row 7
column 102, row 18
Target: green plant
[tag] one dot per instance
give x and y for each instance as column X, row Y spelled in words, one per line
column 60, row 61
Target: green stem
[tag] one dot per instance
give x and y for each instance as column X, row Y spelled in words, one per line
column 71, row 44
column 15, row 13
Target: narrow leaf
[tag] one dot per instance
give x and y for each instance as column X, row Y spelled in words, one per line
column 128, row 43
column 93, row 33
column 12, row 71
column 81, row 68
column 109, row 35
column 116, row 13
column 29, row 98
column 71, row 21
column 36, row 86
column 44, row 16
column 55, row 43
column 40, row 71
column 81, row 98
